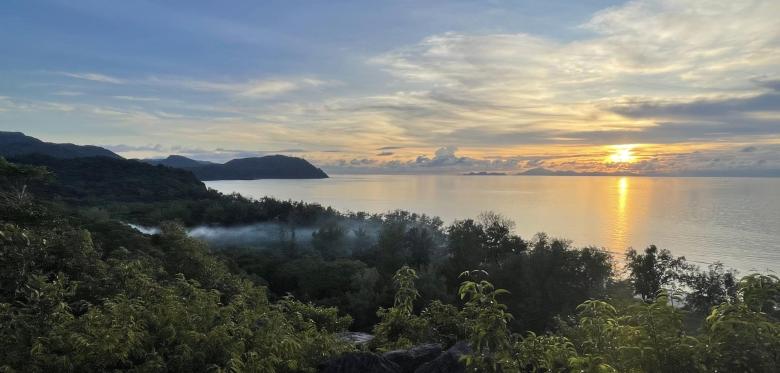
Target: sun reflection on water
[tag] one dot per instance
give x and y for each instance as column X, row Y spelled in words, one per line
column 621, row 230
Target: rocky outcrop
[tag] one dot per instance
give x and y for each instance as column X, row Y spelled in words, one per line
column 412, row 358
column 448, row 362
column 426, row 358
column 360, row 362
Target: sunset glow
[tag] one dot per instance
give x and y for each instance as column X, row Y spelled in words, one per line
column 694, row 82
column 622, row 154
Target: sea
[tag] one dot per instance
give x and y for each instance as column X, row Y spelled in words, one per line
column 735, row 221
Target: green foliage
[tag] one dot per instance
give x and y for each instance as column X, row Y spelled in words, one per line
column 544, row 353
column 16, row 203
column 487, row 326
column 80, row 291
column 710, row 288
column 550, row 278
column 445, row 323
column 406, row 292
column 71, row 300
column 398, row 326
column 744, row 335
column 645, row 337
column 761, row 293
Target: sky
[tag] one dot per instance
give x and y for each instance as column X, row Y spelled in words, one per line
column 647, row 86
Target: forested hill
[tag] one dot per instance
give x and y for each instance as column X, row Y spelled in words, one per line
column 267, row 167
column 114, row 179
column 19, row 145
column 16, row 144
column 176, row 161
column 144, row 194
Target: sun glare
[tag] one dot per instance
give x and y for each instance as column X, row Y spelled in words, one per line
column 622, row 154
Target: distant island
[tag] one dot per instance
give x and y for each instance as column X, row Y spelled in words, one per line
column 484, row 173
column 540, row 171
column 18, row 145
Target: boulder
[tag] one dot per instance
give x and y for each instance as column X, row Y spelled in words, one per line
column 448, row 362
column 360, row 362
column 412, row 358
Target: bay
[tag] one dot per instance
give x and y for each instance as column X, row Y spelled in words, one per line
column 732, row 220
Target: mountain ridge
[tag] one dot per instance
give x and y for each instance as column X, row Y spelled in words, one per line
column 19, row 145
column 14, row 144
column 252, row 168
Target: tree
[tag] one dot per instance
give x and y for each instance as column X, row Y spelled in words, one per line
column 710, row 288
column 330, row 241
column 391, row 251
column 420, row 246
column 466, row 240
column 16, row 201
column 499, row 240
column 654, row 270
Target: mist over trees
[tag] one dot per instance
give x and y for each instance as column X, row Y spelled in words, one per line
column 80, row 290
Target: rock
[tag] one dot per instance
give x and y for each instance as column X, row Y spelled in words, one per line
column 448, row 362
column 356, row 338
column 360, row 362
column 412, row 358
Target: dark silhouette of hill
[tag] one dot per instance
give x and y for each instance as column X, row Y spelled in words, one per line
column 16, row 144
column 267, row 167
column 115, row 179
column 177, row 161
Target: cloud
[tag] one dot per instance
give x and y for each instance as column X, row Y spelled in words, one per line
column 771, row 84
column 534, row 163
column 248, row 89
column 644, row 64
column 253, row 88
column 292, row 150
column 95, row 77
column 693, row 75
column 443, row 160
column 700, row 108
column 364, row 161
column 136, row 98
column 68, row 93
column 124, row 148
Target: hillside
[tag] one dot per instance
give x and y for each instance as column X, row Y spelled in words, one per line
column 85, row 292
column 268, row 167
column 176, row 161
column 17, row 144
column 115, row 179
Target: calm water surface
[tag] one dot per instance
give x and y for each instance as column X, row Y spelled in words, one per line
column 732, row 220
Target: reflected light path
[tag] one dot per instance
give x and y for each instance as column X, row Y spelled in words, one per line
column 621, row 229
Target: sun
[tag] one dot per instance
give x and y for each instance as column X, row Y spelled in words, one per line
column 622, row 154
